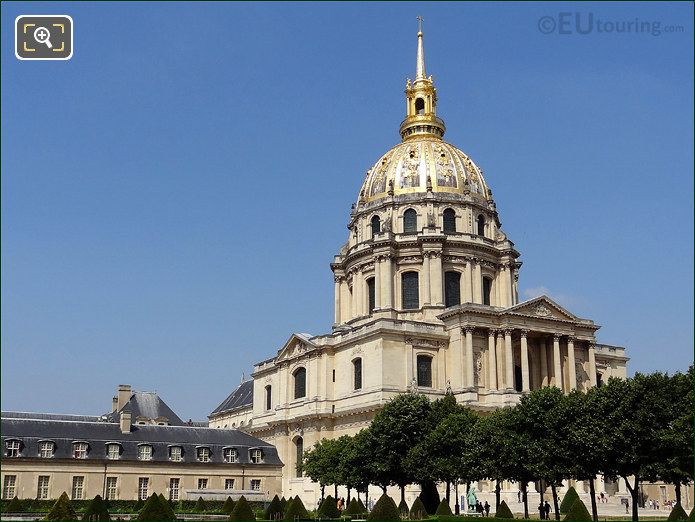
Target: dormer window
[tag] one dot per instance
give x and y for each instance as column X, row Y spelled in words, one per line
column 144, row 452
column 46, row 449
column 256, row 456
column 12, row 448
column 203, row 454
column 79, row 450
column 113, row 451
column 175, row 453
column 231, row 455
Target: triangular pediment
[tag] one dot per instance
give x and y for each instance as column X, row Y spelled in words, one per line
column 544, row 308
column 296, row 345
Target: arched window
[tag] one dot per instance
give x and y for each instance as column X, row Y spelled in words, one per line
column 357, row 374
column 410, row 291
column 487, row 290
column 452, row 289
column 371, row 295
column 449, row 220
column 481, row 225
column 419, row 106
column 299, row 444
column 300, row 383
column 376, row 225
column 410, row 221
column 424, row 371
column 268, row 397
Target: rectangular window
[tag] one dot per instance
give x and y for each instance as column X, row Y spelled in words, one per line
column 204, row 454
column 371, row 293
column 424, row 371
column 231, row 455
column 12, row 448
column 145, row 452
column 113, row 452
column 77, row 488
column 255, row 485
column 79, row 450
column 46, row 449
column 268, row 397
column 111, row 485
column 452, row 289
column 174, row 488
column 9, row 486
column 228, row 483
column 176, row 454
column 357, row 369
column 487, row 288
column 256, row 456
column 143, row 488
column 203, row 483
column 42, row 489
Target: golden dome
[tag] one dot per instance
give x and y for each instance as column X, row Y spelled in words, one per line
column 421, row 165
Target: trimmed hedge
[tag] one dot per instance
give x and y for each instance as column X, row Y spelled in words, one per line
column 678, row 513
column 62, row 509
column 242, row 510
column 568, row 501
column 504, row 511
column 13, row 506
column 328, row 508
column 96, row 510
column 578, row 512
column 443, row 508
column 385, row 509
column 274, row 511
column 417, row 510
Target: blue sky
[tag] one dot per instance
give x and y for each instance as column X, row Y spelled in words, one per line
column 173, row 195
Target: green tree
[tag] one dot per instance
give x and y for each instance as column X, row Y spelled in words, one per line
column 242, row 510
column 62, row 509
column 320, row 464
column 96, row 510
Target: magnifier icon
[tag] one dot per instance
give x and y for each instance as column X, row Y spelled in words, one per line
column 42, row 35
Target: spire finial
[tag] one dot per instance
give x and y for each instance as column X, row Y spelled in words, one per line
column 420, row 71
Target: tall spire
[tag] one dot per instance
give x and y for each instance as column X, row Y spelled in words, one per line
column 421, row 101
column 420, row 70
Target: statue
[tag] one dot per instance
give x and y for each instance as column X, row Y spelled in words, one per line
column 472, row 499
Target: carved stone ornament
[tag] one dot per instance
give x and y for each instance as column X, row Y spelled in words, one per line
column 356, row 350
column 301, row 347
column 449, row 391
column 478, row 368
column 541, row 310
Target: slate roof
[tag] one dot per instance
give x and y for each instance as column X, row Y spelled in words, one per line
column 97, row 434
column 149, row 405
column 50, row 416
column 240, row 398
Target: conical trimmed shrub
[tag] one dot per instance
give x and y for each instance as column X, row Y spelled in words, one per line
column 274, row 511
column 283, row 504
column 692, row 516
column 443, row 508
column 154, row 510
column 384, row 509
column 677, row 513
column 403, row 507
column 417, row 510
column 13, row 506
column 568, row 501
column 166, row 507
column 578, row 512
column 328, row 508
column 139, row 505
column 296, row 509
column 96, row 510
column 200, row 505
column 62, row 509
column 504, row 511
column 363, row 508
column 353, row 508
column 228, row 506
column 242, row 510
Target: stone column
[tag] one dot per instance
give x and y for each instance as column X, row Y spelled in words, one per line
column 357, row 284
column 470, row 380
column 509, row 359
column 500, row 358
column 468, row 283
column 436, row 288
column 337, row 280
column 508, row 286
column 388, row 279
column 425, row 278
column 377, row 282
column 572, row 370
column 503, row 287
column 491, row 360
column 557, row 366
column 477, row 283
column 592, row 364
column 525, row 384
column 543, row 356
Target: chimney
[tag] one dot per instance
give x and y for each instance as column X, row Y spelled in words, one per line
column 114, row 404
column 125, row 421
column 124, row 394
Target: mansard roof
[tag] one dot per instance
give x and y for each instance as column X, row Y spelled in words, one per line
column 98, row 434
column 240, row 398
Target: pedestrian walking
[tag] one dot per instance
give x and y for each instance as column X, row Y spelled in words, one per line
column 486, row 507
column 547, row 510
column 541, row 510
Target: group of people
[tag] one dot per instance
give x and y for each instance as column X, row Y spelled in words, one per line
column 655, row 504
column 482, row 509
column 544, row 510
